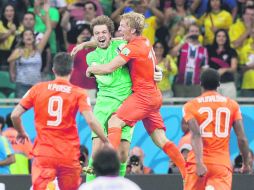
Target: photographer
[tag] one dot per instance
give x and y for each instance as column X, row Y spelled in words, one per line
column 136, row 162
column 192, row 59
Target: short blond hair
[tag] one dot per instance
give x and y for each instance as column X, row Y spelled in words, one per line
column 134, row 21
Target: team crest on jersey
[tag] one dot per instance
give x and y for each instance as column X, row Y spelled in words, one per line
column 125, row 51
column 120, row 47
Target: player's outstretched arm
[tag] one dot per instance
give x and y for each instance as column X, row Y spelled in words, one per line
column 100, row 69
column 90, row 44
column 242, row 144
column 197, row 145
column 16, row 120
column 94, row 125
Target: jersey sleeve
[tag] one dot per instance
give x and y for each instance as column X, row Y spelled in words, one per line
column 28, row 99
column 237, row 115
column 83, row 101
column 91, row 58
column 129, row 52
column 188, row 111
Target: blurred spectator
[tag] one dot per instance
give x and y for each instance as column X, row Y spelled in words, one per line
column 136, row 162
column 247, row 59
column 241, row 30
column 224, row 59
column 77, row 8
column 28, row 24
column 192, row 59
column 176, row 13
column 20, row 6
column 61, row 5
column 74, row 27
column 141, row 6
column 168, row 66
column 215, row 18
column 184, row 146
column 185, row 141
column 21, row 151
column 40, row 21
column 107, row 6
column 106, row 167
column 26, row 60
column 241, row 40
column 238, row 162
column 6, row 152
column 83, row 156
column 199, row 7
column 78, row 77
column 9, row 28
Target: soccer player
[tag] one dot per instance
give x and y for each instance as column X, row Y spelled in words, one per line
column 56, row 147
column 210, row 118
column 145, row 102
column 113, row 88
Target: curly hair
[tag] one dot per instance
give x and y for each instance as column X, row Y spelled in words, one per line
column 103, row 20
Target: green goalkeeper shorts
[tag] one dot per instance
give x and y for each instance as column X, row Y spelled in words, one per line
column 103, row 110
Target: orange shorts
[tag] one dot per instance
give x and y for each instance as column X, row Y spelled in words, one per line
column 46, row 169
column 217, row 177
column 146, row 108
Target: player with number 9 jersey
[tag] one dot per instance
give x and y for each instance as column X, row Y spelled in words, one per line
column 56, row 148
column 55, row 106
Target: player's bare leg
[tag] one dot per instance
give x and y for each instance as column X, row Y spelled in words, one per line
column 115, row 131
column 160, row 139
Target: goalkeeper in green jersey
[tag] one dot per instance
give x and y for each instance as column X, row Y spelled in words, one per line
column 113, row 88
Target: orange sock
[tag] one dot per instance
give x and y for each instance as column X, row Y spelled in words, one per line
column 114, row 136
column 172, row 151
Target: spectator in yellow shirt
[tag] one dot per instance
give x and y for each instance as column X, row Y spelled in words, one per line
column 247, row 57
column 168, row 66
column 241, row 30
column 215, row 18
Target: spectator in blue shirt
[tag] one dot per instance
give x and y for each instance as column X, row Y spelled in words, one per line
column 6, row 152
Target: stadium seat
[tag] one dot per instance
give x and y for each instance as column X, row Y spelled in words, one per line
column 2, row 95
column 6, row 86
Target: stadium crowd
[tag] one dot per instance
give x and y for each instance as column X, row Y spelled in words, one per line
column 188, row 36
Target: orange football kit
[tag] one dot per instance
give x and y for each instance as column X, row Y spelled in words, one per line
column 215, row 115
column 145, row 102
column 56, row 147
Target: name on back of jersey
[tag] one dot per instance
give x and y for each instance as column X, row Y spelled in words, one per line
column 213, row 98
column 59, row 88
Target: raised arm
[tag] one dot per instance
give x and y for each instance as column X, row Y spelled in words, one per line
column 46, row 35
column 197, row 145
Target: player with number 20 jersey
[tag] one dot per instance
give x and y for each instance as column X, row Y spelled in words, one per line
column 210, row 118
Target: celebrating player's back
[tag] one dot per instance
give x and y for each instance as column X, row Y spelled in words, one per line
column 210, row 118
column 56, row 147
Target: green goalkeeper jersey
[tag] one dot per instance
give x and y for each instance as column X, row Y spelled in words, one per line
column 117, row 84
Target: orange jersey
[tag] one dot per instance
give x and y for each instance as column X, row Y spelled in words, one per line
column 55, row 106
column 141, row 57
column 215, row 115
